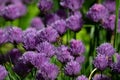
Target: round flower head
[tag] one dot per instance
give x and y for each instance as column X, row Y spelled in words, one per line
column 101, row 62
column 97, row 13
column 13, row 56
column 60, row 26
column 14, row 34
column 13, row 11
column 72, row 4
column 101, row 77
column 82, row 77
column 72, row 68
column 49, row 71
column 106, row 49
column 48, row 34
column 22, row 69
column 74, row 22
column 45, row 5
column 29, row 40
column 63, row 55
column 115, row 67
column 3, row 73
column 77, row 48
column 80, row 59
column 37, row 23
column 47, row 48
column 36, row 59
column 51, row 18
column 110, row 5
column 3, row 37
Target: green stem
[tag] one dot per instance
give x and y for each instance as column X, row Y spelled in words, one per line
column 91, row 74
column 116, row 22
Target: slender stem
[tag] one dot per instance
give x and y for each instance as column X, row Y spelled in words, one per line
column 116, row 21
column 91, row 74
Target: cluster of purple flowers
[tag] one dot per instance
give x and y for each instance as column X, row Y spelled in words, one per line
column 104, row 14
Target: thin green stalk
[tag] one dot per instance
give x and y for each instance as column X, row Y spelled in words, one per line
column 91, row 74
column 116, row 22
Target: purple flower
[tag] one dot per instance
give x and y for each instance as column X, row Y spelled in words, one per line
column 72, row 4
column 63, row 55
column 48, row 34
column 49, row 71
column 13, row 11
column 80, row 59
column 13, row 55
column 74, row 22
column 106, row 49
column 82, row 77
column 60, row 26
column 29, row 39
column 110, row 5
column 109, row 23
column 47, row 48
column 3, row 37
column 72, row 68
column 97, row 13
column 3, row 73
column 39, row 76
column 35, row 59
column 77, row 48
column 101, row 62
column 14, row 34
column 101, row 77
column 115, row 66
column 37, row 23
column 51, row 18
column 45, row 5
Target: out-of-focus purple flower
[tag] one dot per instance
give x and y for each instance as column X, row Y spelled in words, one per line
column 110, row 5
column 80, row 59
column 47, row 48
column 115, row 66
column 37, row 23
column 63, row 55
column 35, row 59
column 101, row 77
column 49, row 71
column 60, row 26
column 13, row 34
column 29, row 40
column 72, row 68
column 82, row 77
column 72, row 4
column 48, row 34
column 45, row 5
column 109, row 23
column 3, row 37
column 51, row 18
column 98, row 13
column 74, row 22
column 22, row 69
column 106, row 49
column 3, row 73
column 13, row 55
column 13, row 11
column 101, row 62
column 77, row 48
